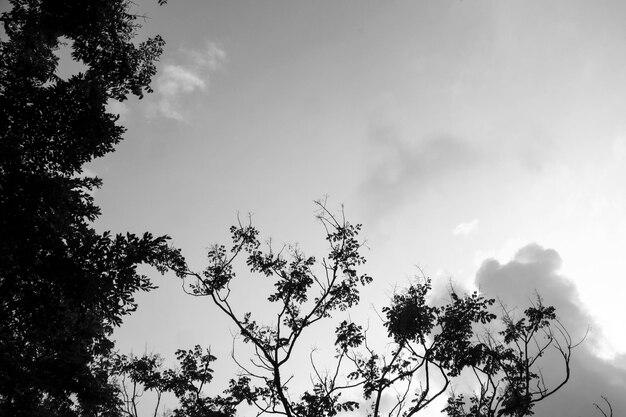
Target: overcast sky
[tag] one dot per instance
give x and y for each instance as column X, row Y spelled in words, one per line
column 483, row 141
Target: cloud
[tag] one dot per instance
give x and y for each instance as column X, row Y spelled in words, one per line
column 212, row 58
column 534, row 268
column 466, row 228
column 398, row 168
column 177, row 80
column 183, row 79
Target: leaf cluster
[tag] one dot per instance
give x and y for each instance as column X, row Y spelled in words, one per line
column 137, row 375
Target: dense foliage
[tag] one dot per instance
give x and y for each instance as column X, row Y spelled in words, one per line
column 63, row 286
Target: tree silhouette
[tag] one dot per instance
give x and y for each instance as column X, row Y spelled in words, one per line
column 508, row 375
column 429, row 346
column 63, row 286
column 136, row 375
column 606, row 412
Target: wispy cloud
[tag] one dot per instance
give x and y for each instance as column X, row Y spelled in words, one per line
column 211, row 58
column 191, row 75
column 466, row 228
column 399, row 169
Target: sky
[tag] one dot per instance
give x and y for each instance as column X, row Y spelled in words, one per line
column 482, row 142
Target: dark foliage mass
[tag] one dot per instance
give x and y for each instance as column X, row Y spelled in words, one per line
column 63, row 286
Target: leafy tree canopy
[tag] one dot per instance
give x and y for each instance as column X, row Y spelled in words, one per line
column 63, row 286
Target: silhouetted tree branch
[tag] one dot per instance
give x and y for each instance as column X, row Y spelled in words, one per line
column 605, row 412
column 429, row 346
column 508, row 374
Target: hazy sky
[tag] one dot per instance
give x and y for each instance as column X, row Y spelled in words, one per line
column 483, row 141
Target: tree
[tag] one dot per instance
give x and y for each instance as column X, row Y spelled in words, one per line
column 63, row 286
column 429, row 347
column 606, row 412
column 136, row 375
column 510, row 381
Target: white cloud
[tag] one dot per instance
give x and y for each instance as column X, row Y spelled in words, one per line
column 176, row 80
column 191, row 75
column 212, row 58
column 466, row 228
